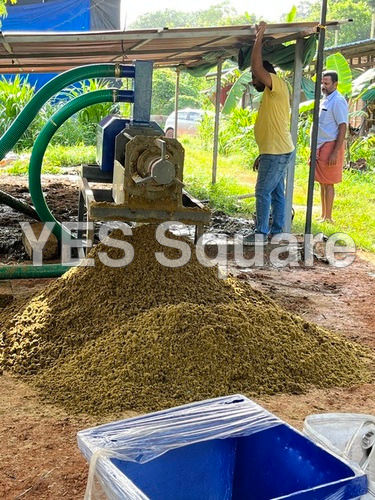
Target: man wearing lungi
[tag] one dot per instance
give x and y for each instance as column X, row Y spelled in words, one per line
column 333, row 118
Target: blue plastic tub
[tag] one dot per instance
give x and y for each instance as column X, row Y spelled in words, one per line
column 255, row 461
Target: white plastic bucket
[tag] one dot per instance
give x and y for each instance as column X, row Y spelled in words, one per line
column 349, row 435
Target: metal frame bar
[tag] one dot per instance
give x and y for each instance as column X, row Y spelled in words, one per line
column 187, row 215
column 297, row 85
column 142, row 91
column 217, row 120
column 314, row 133
column 126, row 52
column 244, row 30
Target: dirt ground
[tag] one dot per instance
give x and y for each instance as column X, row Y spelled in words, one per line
column 40, row 458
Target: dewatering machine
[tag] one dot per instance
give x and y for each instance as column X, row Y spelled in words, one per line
column 141, row 171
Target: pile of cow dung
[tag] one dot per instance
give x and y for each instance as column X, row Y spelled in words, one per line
column 145, row 337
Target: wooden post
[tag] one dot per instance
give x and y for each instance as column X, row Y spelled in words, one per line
column 297, row 85
column 176, row 102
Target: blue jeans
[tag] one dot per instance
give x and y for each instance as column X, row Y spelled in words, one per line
column 270, row 192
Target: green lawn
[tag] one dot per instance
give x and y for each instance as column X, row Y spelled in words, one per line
column 354, row 208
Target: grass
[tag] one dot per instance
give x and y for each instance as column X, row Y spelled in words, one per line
column 354, row 207
column 55, row 158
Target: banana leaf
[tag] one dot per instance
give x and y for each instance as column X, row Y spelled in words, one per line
column 308, row 87
column 362, row 82
column 290, row 17
column 369, row 94
column 236, row 92
column 306, row 106
column 338, row 63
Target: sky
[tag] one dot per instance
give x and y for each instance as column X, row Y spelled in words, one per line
column 269, row 9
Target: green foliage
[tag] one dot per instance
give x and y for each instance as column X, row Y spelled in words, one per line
column 14, row 95
column 236, row 134
column 55, row 158
column 3, row 8
column 236, row 91
column 233, row 178
column 364, row 147
column 216, row 15
column 291, row 16
column 354, row 209
column 163, row 91
column 87, row 119
column 308, row 87
column 306, row 106
column 338, row 63
column 363, row 88
column 358, row 10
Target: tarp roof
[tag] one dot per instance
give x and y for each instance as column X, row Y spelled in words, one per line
column 47, row 52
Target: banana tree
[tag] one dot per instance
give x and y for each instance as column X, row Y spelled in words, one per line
column 239, row 87
column 334, row 62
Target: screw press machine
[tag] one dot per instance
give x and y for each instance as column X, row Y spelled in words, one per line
column 143, row 168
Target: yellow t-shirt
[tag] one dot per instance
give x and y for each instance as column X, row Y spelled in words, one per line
column 271, row 129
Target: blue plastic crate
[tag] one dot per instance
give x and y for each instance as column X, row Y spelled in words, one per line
column 259, row 457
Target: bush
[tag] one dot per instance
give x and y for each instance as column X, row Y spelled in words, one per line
column 236, row 134
column 14, row 95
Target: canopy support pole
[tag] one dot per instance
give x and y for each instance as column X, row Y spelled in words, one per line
column 315, row 125
column 297, row 85
column 217, row 119
column 176, row 102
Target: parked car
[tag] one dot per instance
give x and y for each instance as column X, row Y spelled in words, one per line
column 188, row 121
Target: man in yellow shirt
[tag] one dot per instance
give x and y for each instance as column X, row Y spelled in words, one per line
column 275, row 144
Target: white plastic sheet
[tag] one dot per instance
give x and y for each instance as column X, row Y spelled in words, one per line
column 145, row 438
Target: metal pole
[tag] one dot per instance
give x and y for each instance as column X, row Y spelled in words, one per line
column 176, row 102
column 217, row 119
column 314, row 134
column 297, row 84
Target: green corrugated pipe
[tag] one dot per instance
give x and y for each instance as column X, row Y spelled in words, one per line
column 23, row 120
column 26, row 272
column 46, row 134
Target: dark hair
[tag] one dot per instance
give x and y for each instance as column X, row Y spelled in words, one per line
column 268, row 66
column 333, row 74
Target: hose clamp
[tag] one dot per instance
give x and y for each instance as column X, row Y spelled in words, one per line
column 115, row 95
column 117, row 71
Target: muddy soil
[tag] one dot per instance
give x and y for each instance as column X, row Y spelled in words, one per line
column 40, row 458
column 61, row 196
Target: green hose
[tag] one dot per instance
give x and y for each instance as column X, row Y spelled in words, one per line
column 23, row 120
column 46, row 134
column 27, row 272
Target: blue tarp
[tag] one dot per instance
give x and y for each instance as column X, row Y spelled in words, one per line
column 56, row 15
column 60, row 15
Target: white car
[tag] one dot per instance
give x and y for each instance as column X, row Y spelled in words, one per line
column 188, row 121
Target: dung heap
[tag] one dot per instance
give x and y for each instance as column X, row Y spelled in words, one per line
column 146, row 337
